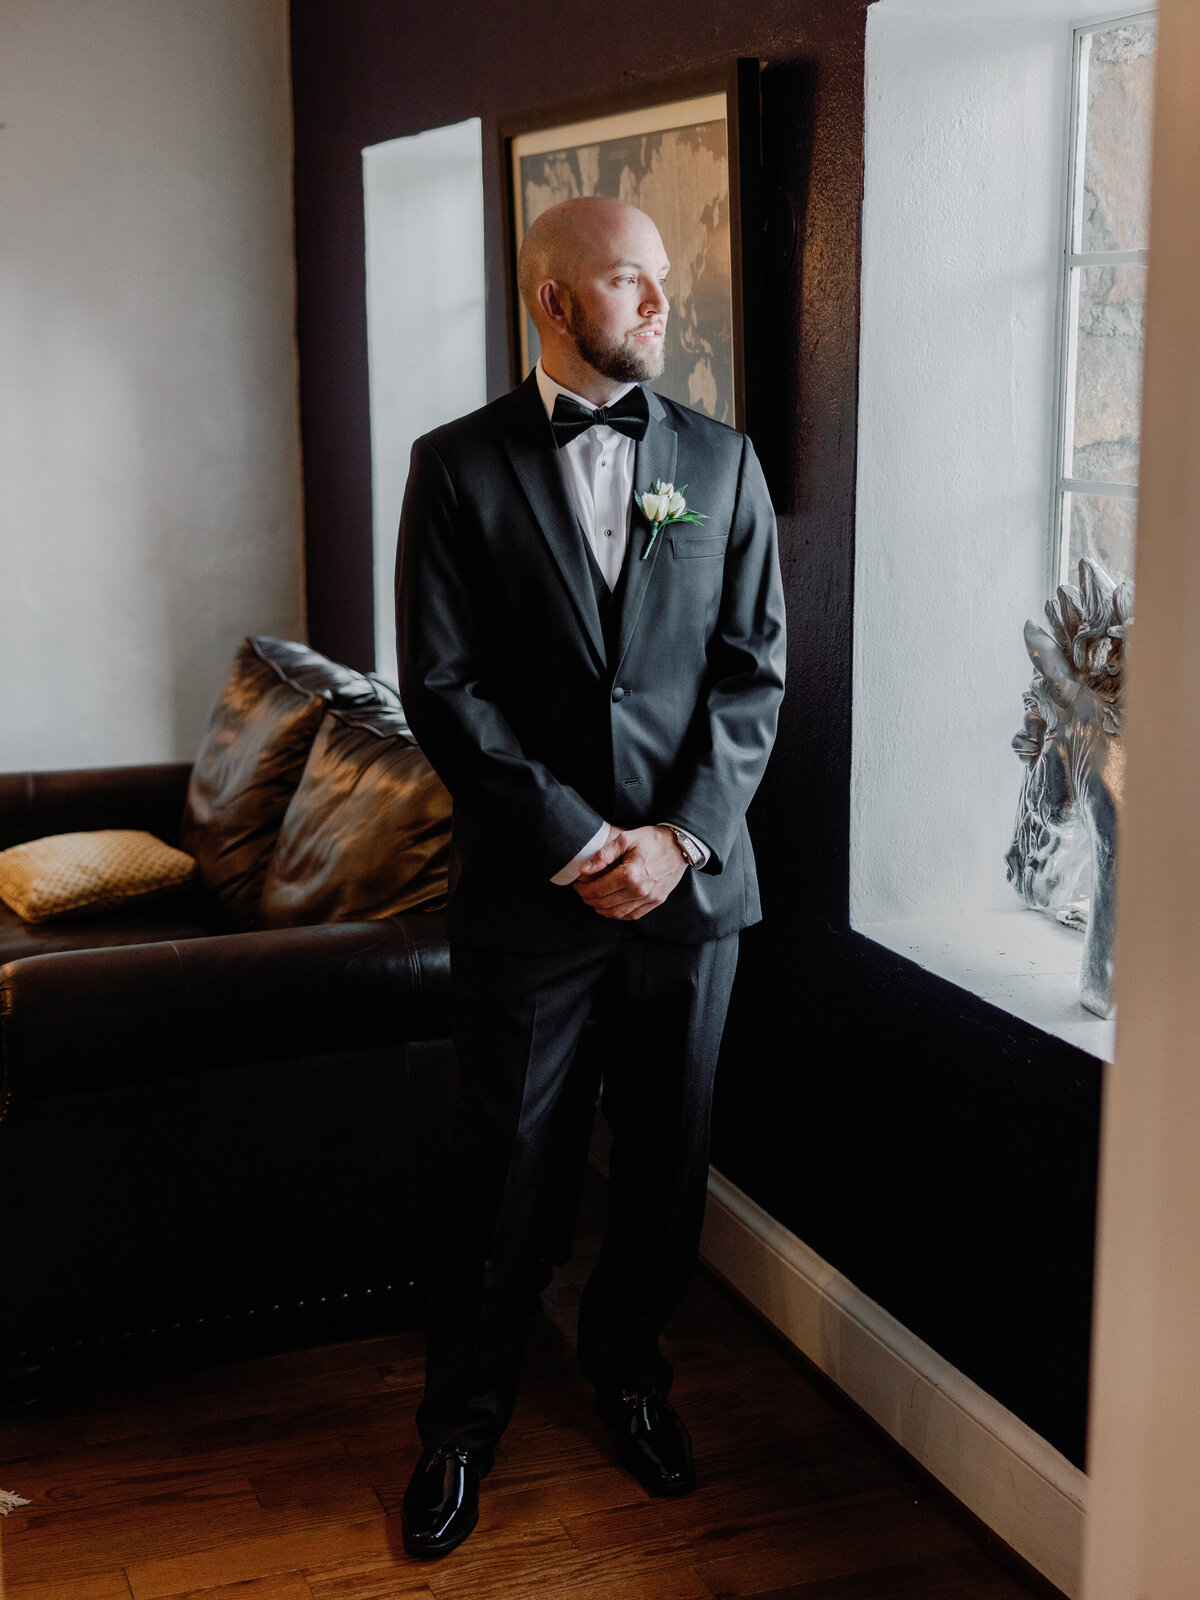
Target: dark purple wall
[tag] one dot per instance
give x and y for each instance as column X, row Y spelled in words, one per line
column 935, row 1150
column 369, row 70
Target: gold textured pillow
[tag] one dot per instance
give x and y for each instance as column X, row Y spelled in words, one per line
column 71, row 873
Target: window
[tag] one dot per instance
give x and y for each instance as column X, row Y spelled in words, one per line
column 969, row 119
column 425, row 320
column 1105, row 294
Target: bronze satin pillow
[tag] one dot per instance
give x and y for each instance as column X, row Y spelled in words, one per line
column 368, row 832
column 307, row 669
column 258, row 740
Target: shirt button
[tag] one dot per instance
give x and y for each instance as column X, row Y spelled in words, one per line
column 618, row 694
column 608, row 533
column 603, row 463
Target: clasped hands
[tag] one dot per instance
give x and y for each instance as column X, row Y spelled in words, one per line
column 634, row 871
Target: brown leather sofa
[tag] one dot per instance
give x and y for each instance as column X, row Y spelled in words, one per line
column 225, row 1108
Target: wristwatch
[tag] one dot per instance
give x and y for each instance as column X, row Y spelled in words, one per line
column 692, row 852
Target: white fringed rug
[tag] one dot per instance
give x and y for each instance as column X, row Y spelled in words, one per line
column 10, row 1501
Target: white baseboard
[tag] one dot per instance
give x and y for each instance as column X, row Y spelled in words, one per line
column 996, row 1465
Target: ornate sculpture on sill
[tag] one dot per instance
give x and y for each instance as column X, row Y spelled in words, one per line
column 1063, row 858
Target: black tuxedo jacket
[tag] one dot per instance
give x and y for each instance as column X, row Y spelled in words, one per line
column 538, row 730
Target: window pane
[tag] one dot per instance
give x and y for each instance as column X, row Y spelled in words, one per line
column 1119, row 85
column 1102, row 528
column 1109, row 335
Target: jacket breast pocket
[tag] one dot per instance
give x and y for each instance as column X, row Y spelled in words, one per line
column 698, row 546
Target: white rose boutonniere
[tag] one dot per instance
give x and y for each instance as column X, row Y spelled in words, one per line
column 663, row 505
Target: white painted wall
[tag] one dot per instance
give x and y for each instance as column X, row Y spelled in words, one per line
column 966, row 127
column 425, row 319
column 150, row 511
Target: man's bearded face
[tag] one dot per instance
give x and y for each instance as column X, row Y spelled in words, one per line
column 626, row 355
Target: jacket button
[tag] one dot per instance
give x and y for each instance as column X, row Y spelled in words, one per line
column 618, row 694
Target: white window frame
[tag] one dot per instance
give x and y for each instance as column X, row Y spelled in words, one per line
column 1060, row 537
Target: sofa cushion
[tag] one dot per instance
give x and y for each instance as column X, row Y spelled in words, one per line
column 246, row 771
column 368, row 831
column 309, row 670
column 253, row 753
column 72, row 874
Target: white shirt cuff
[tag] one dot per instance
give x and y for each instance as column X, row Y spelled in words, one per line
column 570, row 872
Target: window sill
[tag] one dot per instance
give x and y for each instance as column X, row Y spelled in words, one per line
column 1018, row 960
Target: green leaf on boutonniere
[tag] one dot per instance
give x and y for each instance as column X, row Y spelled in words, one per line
column 663, row 506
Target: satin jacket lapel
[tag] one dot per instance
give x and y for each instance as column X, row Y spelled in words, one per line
column 655, row 462
column 530, row 446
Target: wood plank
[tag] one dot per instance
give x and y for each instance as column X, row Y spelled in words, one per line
column 146, row 1528
column 406, row 1372
column 96, row 1586
column 317, row 1362
column 555, row 1500
column 384, row 1415
column 370, row 1581
column 317, row 1484
column 215, row 1409
column 54, row 1486
column 239, row 1560
column 538, row 1453
column 90, row 1460
column 939, row 1578
column 279, row 1586
column 68, row 1544
column 92, row 1475
column 713, row 1505
column 501, row 1568
column 264, row 1453
column 36, row 1431
column 823, row 1542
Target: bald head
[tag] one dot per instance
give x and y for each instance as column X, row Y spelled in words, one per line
column 591, row 274
column 562, row 239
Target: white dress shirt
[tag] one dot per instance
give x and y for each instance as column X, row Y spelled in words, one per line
column 598, row 467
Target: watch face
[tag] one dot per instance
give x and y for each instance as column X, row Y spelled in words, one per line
column 691, row 853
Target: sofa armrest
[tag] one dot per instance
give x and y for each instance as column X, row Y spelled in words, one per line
column 33, row 804
column 87, row 1019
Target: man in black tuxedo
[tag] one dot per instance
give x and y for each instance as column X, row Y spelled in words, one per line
column 598, row 690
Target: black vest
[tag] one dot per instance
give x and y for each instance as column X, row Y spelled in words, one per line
column 608, row 601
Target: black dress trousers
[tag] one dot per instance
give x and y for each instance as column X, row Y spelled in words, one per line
column 660, row 1009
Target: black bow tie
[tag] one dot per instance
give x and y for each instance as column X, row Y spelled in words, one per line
column 629, row 415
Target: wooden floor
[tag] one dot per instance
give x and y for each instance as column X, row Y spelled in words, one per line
column 281, row 1479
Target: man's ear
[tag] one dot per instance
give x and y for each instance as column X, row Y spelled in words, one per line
column 551, row 297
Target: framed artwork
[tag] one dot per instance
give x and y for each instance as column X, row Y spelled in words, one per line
column 676, row 151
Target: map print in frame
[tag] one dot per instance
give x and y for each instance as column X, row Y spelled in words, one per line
column 673, row 162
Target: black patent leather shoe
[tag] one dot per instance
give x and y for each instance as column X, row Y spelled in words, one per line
column 652, row 1443
column 441, row 1503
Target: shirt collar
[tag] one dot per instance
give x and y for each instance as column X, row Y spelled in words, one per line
column 550, row 391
